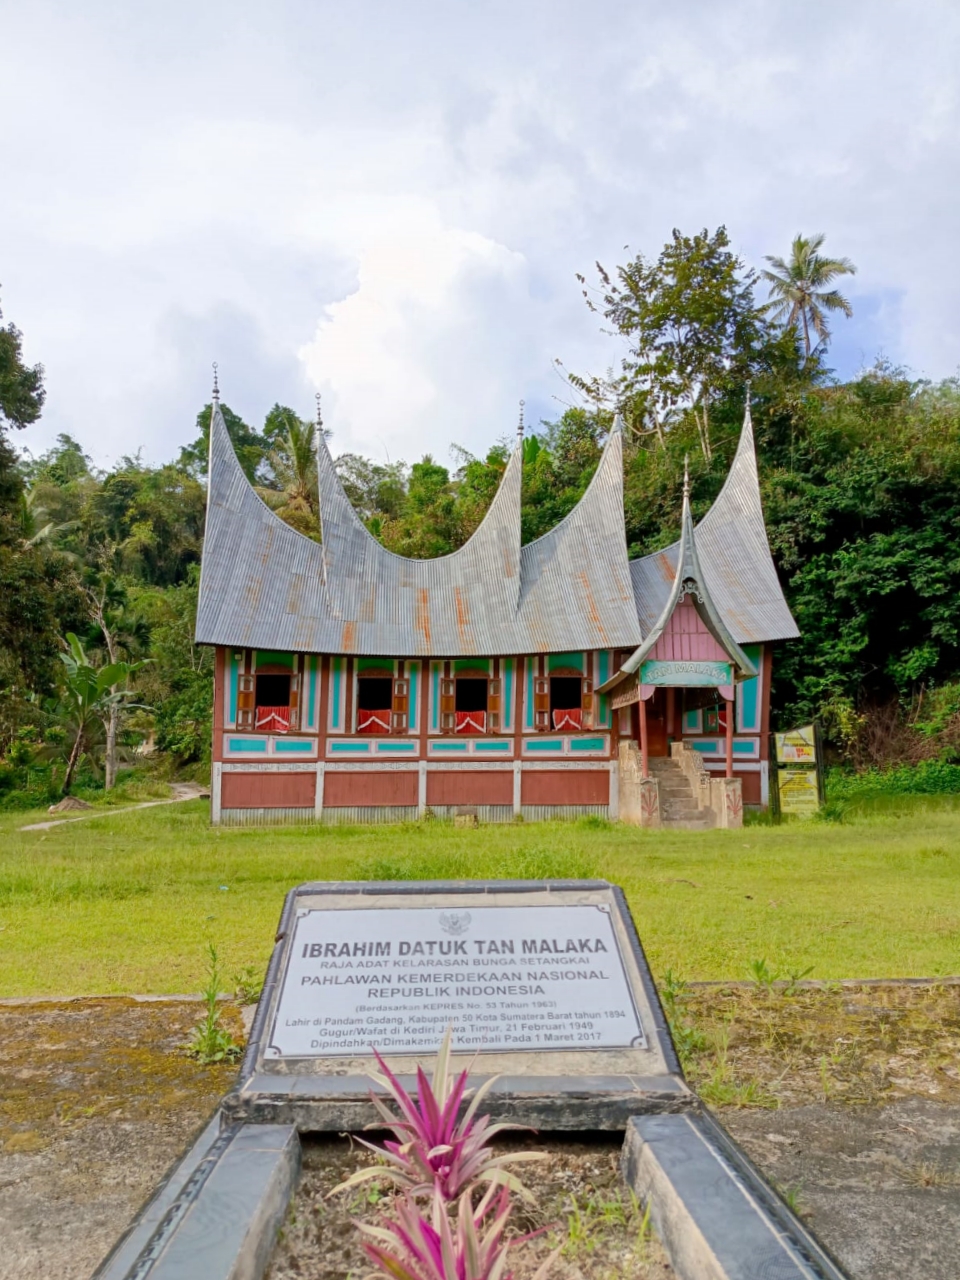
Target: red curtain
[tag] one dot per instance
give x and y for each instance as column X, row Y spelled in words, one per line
column 273, row 719
column 471, row 722
column 568, row 719
column 373, row 722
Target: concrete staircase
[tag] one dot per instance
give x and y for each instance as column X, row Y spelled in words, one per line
column 678, row 805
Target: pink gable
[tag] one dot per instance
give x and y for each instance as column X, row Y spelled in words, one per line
column 686, row 638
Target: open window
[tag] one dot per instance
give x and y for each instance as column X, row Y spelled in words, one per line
column 383, row 701
column 563, row 701
column 470, row 703
column 274, row 700
column 374, row 702
column 471, row 699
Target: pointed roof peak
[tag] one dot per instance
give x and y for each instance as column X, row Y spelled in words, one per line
column 216, row 387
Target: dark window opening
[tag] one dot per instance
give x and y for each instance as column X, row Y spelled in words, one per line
column 471, row 694
column 273, row 691
column 565, row 693
column 374, row 693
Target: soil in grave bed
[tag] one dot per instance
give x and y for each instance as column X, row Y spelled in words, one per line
column 579, row 1202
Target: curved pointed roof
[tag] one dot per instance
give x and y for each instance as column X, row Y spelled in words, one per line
column 265, row 585
column 689, row 581
column 734, row 556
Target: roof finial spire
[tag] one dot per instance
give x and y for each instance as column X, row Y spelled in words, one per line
column 216, row 385
column 319, row 414
column 520, row 424
column 686, row 477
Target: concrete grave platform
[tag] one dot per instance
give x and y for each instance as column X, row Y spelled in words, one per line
column 716, row 1215
column 217, row 1215
column 546, row 986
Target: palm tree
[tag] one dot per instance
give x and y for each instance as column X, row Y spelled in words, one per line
column 293, row 461
column 798, row 291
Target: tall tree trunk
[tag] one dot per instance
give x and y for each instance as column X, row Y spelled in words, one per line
column 110, row 752
column 806, row 331
column 110, row 755
column 72, row 763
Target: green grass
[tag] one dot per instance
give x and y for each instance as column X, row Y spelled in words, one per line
column 129, row 902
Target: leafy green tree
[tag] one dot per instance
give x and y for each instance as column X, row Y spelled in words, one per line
column 89, row 694
column 21, row 385
column 428, row 525
column 692, row 327
column 178, row 684
column 799, row 288
column 377, row 490
column 251, row 446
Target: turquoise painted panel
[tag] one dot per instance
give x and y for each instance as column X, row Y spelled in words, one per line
column 395, row 746
column 491, row 746
column 413, row 675
column 587, row 744
column 745, row 746
column 311, row 689
column 708, row 748
column 507, row 715
column 256, row 745
column 337, row 681
column 544, row 746
column 530, row 679
column 284, row 745
column 360, row 748
column 692, row 721
column 603, row 702
column 233, row 678
column 689, row 673
column 448, row 746
column 748, row 694
column 435, row 698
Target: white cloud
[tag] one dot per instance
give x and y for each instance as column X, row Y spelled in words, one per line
column 391, row 202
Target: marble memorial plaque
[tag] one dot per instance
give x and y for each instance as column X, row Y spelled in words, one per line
column 544, row 984
column 514, row 978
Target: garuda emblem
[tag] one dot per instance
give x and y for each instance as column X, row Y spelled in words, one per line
column 455, row 922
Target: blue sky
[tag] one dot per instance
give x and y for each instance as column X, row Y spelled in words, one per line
column 389, row 203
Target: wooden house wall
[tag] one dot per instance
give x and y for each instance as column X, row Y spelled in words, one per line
column 322, row 763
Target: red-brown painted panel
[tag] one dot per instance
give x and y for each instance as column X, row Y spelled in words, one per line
column 565, row 786
column 750, row 782
column 268, row 790
column 370, row 787
column 463, row 787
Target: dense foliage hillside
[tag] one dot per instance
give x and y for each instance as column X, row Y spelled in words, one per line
column 860, row 480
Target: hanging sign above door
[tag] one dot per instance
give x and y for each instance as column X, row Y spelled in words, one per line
column 685, row 674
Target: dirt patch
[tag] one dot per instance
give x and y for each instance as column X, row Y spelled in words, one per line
column 579, row 1201
column 859, row 1124
column 96, row 1101
column 857, row 1045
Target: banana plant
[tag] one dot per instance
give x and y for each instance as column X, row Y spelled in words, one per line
column 89, row 693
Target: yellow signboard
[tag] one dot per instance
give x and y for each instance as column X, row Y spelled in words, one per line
column 798, row 746
column 799, row 792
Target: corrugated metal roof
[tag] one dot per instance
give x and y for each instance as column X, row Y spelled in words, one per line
column 689, row 580
column 265, row 585
column 734, row 557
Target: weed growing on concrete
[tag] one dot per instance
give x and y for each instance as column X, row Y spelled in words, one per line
column 211, row 1041
column 248, row 984
column 675, row 994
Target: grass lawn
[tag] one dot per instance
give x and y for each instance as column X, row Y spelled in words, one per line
column 127, row 903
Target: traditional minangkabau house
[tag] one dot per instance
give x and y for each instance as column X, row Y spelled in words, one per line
column 550, row 680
